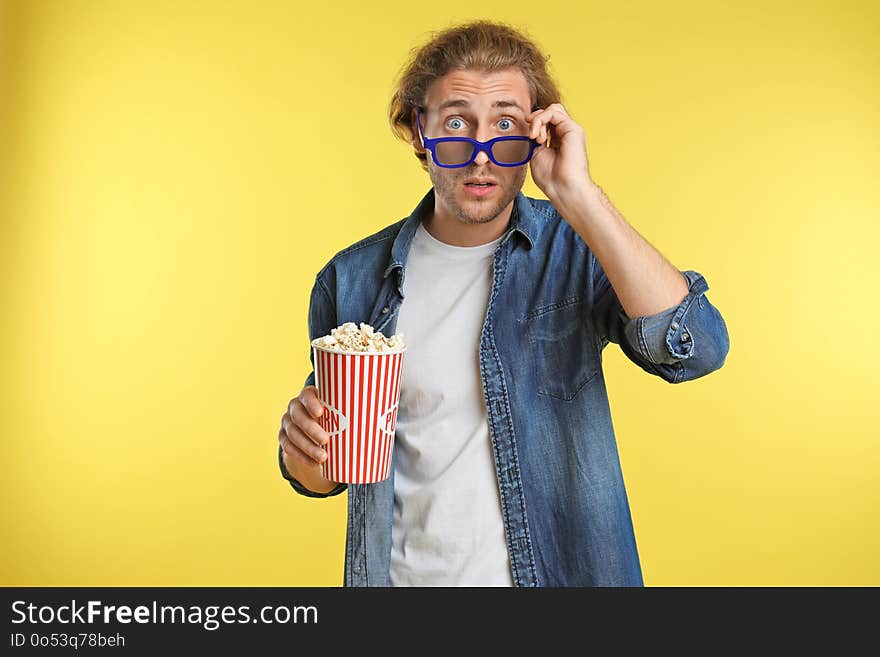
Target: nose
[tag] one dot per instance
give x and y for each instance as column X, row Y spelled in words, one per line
column 483, row 134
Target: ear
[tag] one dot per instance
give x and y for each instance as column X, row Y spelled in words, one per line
column 414, row 126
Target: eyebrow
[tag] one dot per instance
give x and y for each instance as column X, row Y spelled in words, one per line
column 461, row 102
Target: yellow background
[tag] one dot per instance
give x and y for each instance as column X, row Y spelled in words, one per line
column 175, row 173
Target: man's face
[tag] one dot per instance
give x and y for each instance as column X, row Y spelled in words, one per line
column 486, row 105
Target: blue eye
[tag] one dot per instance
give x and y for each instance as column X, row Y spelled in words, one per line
column 451, row 124
column 507, row 121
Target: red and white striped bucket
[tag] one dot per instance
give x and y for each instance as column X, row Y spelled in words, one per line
column 360, row 392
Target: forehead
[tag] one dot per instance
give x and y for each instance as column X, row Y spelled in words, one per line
column 479, row 88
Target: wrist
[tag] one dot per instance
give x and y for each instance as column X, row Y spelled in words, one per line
column 579, row 199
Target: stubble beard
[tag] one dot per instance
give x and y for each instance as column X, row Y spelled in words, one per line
column 484, row 210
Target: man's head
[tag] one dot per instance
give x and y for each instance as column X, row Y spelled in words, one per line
column 477, row 80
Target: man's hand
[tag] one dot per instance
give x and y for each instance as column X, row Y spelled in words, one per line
column 560, row 167
column 645, row 282
column 302, row 441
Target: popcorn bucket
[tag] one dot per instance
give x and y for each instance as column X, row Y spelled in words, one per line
column 360, row 392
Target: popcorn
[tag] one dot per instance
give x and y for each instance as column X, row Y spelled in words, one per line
column 349, row 338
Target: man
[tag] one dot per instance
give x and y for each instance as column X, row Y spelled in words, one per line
column 505, row 466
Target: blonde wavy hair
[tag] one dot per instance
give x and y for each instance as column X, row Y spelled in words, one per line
column 477, row 45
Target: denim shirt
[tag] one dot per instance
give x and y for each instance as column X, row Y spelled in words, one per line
column 551, row 313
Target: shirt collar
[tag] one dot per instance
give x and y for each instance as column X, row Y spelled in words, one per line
column 523, row 221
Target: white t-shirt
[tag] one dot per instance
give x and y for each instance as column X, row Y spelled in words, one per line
column 448, row 528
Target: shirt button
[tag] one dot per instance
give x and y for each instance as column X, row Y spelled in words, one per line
column 385, row 310
column 685, row 337
column 674, row 325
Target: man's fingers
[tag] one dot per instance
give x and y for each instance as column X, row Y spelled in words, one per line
column 294, row 453
column 311, row 401
column 301, row 419
column 311, row 404
column 300, row 436
column 539, row 130
column 534, row 124
column 302, row 445
column 543, row 119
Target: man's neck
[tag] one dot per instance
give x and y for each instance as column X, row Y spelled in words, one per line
column 453, row 231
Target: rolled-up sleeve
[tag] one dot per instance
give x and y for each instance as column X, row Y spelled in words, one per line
column 678, row 344
column 322, row 318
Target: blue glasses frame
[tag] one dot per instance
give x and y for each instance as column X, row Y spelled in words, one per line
column 484, row 146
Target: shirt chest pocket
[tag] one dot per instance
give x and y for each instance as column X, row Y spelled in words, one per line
column 562, row 342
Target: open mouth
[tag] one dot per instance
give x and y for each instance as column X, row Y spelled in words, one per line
column 479, row 188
